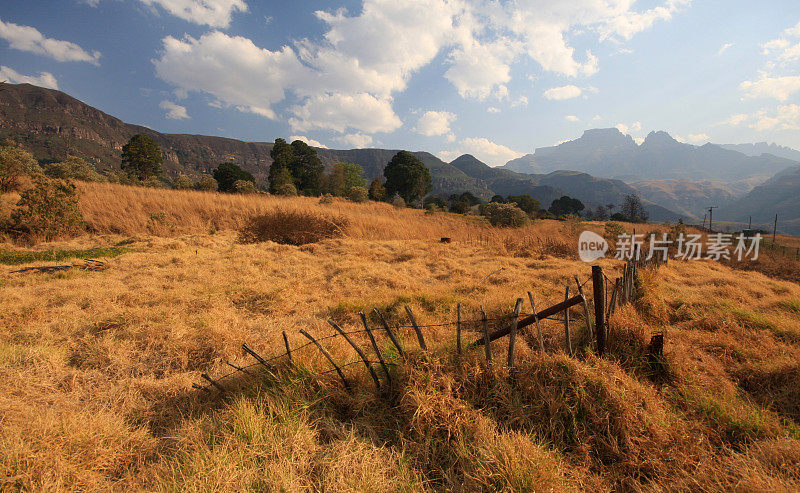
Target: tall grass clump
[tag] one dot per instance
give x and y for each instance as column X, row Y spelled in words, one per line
column 292, row 227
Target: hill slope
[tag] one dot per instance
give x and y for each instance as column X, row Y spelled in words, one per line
column 779, row 195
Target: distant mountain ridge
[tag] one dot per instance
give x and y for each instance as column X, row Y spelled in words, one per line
column 779, row 195
column 611, row 154
column 760, row 148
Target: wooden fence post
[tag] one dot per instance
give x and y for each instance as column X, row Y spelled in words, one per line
column 458, row 329
column 213, row 382
column 487, row 341
column 329, row 358
column 613, row 301
column 238, row 368
column 394, row 339
column 566, row 323
column 538, row 326
column 256, row 356
column 589, row 330
column 416, row 328
column 288, row 349
column 599, row 308
column 375, row 347
column 512, row 340
column 359, row 352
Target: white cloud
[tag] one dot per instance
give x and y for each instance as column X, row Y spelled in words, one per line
column 572, row 118
column 493, row 109
column 356, row 140
column 26, row 38
column 45, row 79
column 340, row 112
column 311, row 142
column 563, row 92
column 212, row 13
column 597, row 117
column 724, row 48
column 736, row 119
column 697, row 138
column 786, row 117
column 174, row 111
column 435, row 123
column 634, row 127
column 780, row 87
column 793, row 31
column 483, row 149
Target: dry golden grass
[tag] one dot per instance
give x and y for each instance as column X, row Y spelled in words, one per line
column 96, row 367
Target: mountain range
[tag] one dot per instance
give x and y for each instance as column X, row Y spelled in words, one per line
column 675, row 180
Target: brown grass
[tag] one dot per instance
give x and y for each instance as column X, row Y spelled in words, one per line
column 96, row 367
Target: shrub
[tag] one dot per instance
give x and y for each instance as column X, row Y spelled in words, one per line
column 73, row 168
column 15, row 162
column 292, row 227
column 358, row 194
column 326, row 199
column 244, row 187
column 613, row 229
column 227, row 174
column 398, row 202
column 505, row 215
column 207, row 183
column 47, row 211
column 183, row 182
column 287, row 189
column 377, row 191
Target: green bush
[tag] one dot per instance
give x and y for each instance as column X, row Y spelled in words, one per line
column 613, row 229
column 183, row 182
column 244, row 187
column 207, row 183
column 505, row 215
column 398, row 202
column 326, row 199
column 73, row 168
column 47, row 211
column 15, row 162
column 287, row 189
column 292, row 227
column 358, row 194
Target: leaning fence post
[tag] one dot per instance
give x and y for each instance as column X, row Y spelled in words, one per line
column 538, row 326
column 359, row 351
column 512, row 339
column 416, row 329
column 599, row 308
column 238, row 368
column 375, row 347
column 566, row 323
column 256, row 356
column 458, row 329
column 329, row 358
column 486, row 339
column 585, row 309
column 288, row 349
column 394, row 339
column 213, row 382
column 613, row 301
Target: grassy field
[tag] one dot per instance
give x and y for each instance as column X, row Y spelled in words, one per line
column 96, row 368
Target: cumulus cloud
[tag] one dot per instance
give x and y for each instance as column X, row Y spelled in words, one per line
column 212, row 13
column 736, row 119
column 433, row 123
column 45, row 79
column 483, row 149
column 493, row 109
column 784, row 117
column 311, row 142
column 572, row 118
column 340, row 112
column 693, row 138
column 174, row 111
column 634, row 127
column 26, row 38
column 767, row 86
column 355, row 140
column 563, row 92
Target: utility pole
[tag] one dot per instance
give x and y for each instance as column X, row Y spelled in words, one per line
column 711, row 217
column 750, row 223
column 704, row 220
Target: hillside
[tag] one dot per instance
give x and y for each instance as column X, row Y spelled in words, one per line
column 779, row 195
column 97, row 367
column 608, row 153
column 760, row 148
column 688, row 197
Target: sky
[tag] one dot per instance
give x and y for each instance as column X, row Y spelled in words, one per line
column 492, row 78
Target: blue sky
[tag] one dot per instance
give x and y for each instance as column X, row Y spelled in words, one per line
column 493, row 78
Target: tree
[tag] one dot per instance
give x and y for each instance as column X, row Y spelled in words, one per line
column 407, row 177
column 282, row 155
column 183, row 182
column 505, row 215
column 227, row 174
column 432, row 200
column 73, row 168
column 566, row 205
column 633, row 209
column 306, row 168
column 377, row 191
column 600, row 214
column 462, row 203
column 244, row 187
column 15, row 162
column 358, row 194
column 497, row 198
column 525, row 202
column 343, row 177
column 142, row 158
